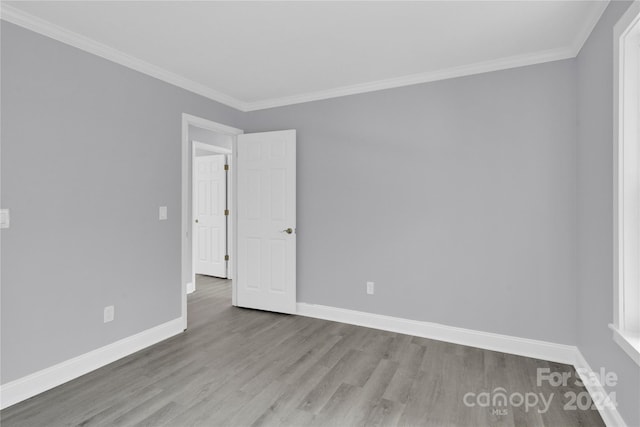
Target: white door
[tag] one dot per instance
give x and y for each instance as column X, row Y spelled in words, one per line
column 210, row 204
column 266, row 191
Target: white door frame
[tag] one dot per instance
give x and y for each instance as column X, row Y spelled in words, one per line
column 213, row 149
column 187, row 272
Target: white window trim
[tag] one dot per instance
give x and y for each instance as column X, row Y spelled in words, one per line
column 626, row 248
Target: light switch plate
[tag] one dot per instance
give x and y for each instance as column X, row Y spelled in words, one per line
column 4, row 218
column 370, row 288
column 162, row 213
column 109, row 313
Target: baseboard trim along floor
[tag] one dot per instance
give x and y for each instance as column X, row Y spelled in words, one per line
column 606, row 407
column 544, row 350
column 496, row 342
column 38, row 382
column 48, row 378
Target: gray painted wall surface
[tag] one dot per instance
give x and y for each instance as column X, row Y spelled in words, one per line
column 457, row 198
column 595, row 214
column 90, row 150
column 209, row 137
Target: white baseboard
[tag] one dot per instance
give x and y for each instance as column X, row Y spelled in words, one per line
column 38, row 382
column 504, row 343
column 609, row 413
column 560, row 353
column 191, row 287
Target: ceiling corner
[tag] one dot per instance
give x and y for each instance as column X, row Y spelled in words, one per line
column 25, row 20
column 590, row 23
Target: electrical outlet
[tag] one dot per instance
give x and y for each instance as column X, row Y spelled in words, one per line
column 109, row 314
column 370, row 288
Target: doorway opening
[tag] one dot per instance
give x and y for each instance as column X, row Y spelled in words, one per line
column 210, row 195
column 208, row 201
column 259, row 251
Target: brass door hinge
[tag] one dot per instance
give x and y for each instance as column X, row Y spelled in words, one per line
column 226, row 257
column 226, row 212
column 226, row 167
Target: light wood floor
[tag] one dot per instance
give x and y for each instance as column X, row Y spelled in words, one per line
column 237, row 367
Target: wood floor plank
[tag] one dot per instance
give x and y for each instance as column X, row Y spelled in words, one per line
column 253, row 408
column 384, row 413
column 284, row 410
column 161, row 416
column 239, row 367
column 335, row 411
column 371, row 393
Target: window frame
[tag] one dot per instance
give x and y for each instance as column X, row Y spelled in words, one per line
column 626, row 248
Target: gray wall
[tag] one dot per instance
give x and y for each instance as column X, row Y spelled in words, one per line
column 209, row 137
column 458, row 198
column 90, row 150
column 595, row 214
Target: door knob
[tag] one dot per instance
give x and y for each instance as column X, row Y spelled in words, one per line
column 196, row 221
column 288, row 231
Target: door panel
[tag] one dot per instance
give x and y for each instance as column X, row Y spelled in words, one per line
column 210, row 226
column 266, row 277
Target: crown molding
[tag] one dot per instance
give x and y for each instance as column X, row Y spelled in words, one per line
column 448, row 73
column 597, row 9
column 18, row 17
column 46, row 28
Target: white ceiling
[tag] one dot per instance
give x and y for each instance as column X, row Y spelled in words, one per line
column 253, row 55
